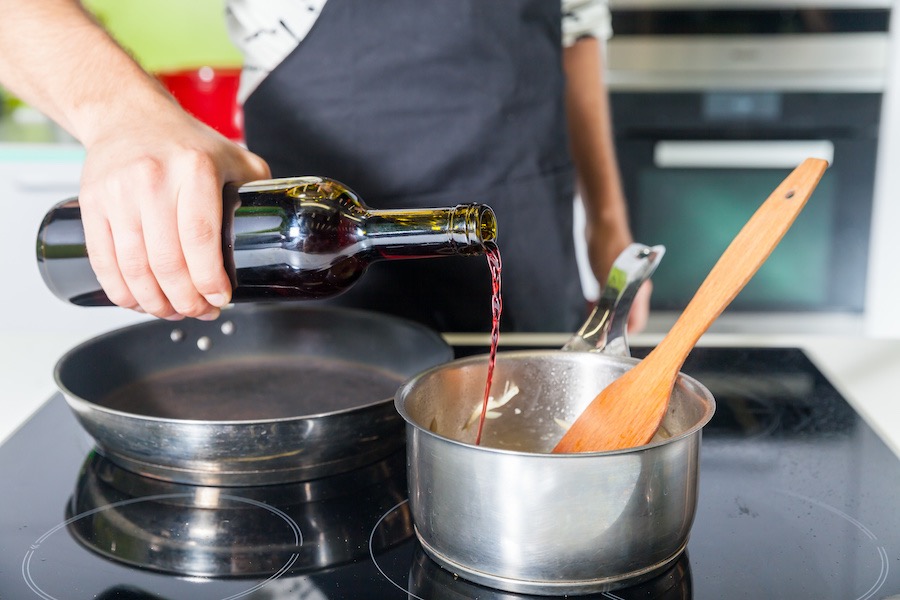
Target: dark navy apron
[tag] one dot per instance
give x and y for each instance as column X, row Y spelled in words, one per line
column 430, row 103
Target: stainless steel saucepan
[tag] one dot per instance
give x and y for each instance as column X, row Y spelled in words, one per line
column 509, row 514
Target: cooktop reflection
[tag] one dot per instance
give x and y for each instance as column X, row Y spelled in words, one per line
column 797, row 500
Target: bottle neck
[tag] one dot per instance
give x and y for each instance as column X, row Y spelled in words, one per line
column 417, row 233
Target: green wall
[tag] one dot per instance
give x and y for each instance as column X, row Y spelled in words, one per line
column 169, row 34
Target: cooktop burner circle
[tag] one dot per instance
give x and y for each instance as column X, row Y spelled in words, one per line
column 42, row 549
column 820, row 521
column 381, row 566
column 419, row 577
column 866, row 533
column 811, row 547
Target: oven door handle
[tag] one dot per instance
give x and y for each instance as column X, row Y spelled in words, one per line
column 739, row 154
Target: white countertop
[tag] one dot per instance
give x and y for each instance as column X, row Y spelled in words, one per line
column 865, row 371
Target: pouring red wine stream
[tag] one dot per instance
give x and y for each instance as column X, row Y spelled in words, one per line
column 492, row 252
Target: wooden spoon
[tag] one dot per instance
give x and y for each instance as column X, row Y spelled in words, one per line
column 628, row 412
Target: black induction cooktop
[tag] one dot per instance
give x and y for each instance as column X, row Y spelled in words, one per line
column 798, row 499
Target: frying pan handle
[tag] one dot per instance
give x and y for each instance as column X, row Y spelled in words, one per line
column 605, row 329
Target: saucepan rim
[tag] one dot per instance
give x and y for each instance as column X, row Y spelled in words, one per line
column 402, row 394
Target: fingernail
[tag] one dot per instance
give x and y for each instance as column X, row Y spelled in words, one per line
column 175, row 317
column 210, row 316
column 218, row 300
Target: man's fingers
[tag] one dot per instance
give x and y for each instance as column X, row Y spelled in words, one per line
column 199, row 229
column 167, row 261
column 102, row 254
column 131, row 255
column 125, row 222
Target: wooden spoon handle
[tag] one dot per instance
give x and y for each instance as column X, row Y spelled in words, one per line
column 628, row 412
column 743, row 258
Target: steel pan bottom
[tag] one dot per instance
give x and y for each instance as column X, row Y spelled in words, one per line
column 552, row 588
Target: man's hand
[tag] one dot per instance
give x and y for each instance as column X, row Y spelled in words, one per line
column 151, row 201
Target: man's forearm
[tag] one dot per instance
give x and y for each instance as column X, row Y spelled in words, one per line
column 55, row 57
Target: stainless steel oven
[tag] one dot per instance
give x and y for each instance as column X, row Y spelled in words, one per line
column 712, row 107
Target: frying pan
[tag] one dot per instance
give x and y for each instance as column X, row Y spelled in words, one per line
column 265, row 394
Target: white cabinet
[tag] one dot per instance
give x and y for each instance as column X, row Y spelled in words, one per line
column 883, row 290
column 36, row 328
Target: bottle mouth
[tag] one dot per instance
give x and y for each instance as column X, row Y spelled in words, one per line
column 487, row 224
column 473, row 225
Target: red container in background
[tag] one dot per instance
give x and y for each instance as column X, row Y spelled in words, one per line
column 210, row 94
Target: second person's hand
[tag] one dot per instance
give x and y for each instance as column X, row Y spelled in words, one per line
column 603, row 248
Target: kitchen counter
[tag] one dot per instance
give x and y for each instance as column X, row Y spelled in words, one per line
column 865, row 371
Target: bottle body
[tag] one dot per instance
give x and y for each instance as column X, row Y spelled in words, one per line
column 295, row 238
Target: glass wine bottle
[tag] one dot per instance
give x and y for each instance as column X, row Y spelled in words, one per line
column 299, row 238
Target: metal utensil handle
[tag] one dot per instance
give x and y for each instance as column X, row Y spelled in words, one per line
column 605, row 329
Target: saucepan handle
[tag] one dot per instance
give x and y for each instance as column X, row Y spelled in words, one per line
column 605, row 329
